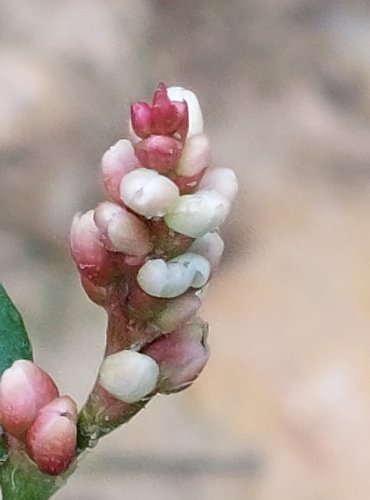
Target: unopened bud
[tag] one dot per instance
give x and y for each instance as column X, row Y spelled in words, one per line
column 195, row 156
column 87, row 250
column 211, row 246
column 181, row 356
column 159, row 152
column 141, row 119
column 173, row 278
column 166, row 116
column 24, row 389
column 195, row 116
column 148, row 193
column 199, row 213
column 116, row 163
column 178, row 312
column 222, row 180
column 128, row 375
column 51, row 440
column 121, row 230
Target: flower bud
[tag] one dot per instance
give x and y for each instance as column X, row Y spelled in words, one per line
column 166, row 116
column 87, row 250
column 195, row 116
column 128, row 375
column 178, row 312
column 51, row 439
column 121, row 230
column 173, row 278
column 195, row 156
column 148, row 193
column 117, row 162
column 159, row 152
column 181, row 356
column 210, row 246
column 141, row 119
column 198, row 213
column 222, row 180
column 24, row 389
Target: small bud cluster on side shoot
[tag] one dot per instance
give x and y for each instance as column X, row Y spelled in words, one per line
column 146, row 254
column 43, row 423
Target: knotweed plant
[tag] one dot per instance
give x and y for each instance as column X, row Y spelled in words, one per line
column 145, row 255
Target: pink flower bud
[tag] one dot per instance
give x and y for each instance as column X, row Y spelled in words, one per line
column 159, row 152
column 141, row 119
column 117, row 162
column 51, row 440
column 195, row 116
column 166, row 116
column 88, row 251
column 222, row 180
column 181, row 356
column 182, row 130
column 148, row 193
column 178, row 312
column 24, row 389
column 195, row 156
column 121, row 230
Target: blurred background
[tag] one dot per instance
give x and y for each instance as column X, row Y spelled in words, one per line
column 283, row 410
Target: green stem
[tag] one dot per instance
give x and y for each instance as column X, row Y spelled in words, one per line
column 101, row 415
column 21, row 479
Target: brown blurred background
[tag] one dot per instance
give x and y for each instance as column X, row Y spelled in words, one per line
column 283, row 410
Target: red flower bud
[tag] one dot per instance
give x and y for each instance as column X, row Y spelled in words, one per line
column 51, row 440
column 24, row 389
column 159, row 152
column 141, row 119
column 183, row 111
column 166, row 117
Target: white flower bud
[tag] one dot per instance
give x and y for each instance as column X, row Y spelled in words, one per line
column 211, row 246
column 123, row 232
column 197, row 264
column 194, row 109
column 222, row 180
column 194, row 157
column 197, row 214
column 159, row 278
column 128, row 375
column 148, row 193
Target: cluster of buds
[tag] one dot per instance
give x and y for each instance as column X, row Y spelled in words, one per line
column 147, row 254
column 36, row 418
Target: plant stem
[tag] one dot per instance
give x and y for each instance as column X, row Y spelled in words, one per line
column 22, row 480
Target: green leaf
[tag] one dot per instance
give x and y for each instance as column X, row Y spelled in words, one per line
column 14, row 341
